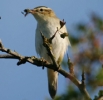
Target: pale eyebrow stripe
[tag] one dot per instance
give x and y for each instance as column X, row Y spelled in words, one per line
column 40, row 7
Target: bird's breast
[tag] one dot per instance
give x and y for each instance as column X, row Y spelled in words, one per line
column 59, row 44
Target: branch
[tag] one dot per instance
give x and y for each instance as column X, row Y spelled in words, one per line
column 42, row 62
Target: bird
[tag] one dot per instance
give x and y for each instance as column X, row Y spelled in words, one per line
column 48, row 23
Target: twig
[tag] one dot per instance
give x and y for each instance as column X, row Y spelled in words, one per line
column 71, row 66
column 83, row 78
column 47, row 45
column 63, row 35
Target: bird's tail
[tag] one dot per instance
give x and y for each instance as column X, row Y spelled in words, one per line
column 52, row 82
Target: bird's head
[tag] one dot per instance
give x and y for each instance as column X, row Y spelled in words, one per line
column 41, row 13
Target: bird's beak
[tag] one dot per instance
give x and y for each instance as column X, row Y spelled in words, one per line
column 27, row 11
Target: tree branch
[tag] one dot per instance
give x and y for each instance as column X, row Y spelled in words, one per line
column 42, row 62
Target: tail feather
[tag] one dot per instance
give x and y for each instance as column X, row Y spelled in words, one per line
column 52, row 82
column 52, row 90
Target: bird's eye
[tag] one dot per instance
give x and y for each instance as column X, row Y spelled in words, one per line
column 41, row 9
